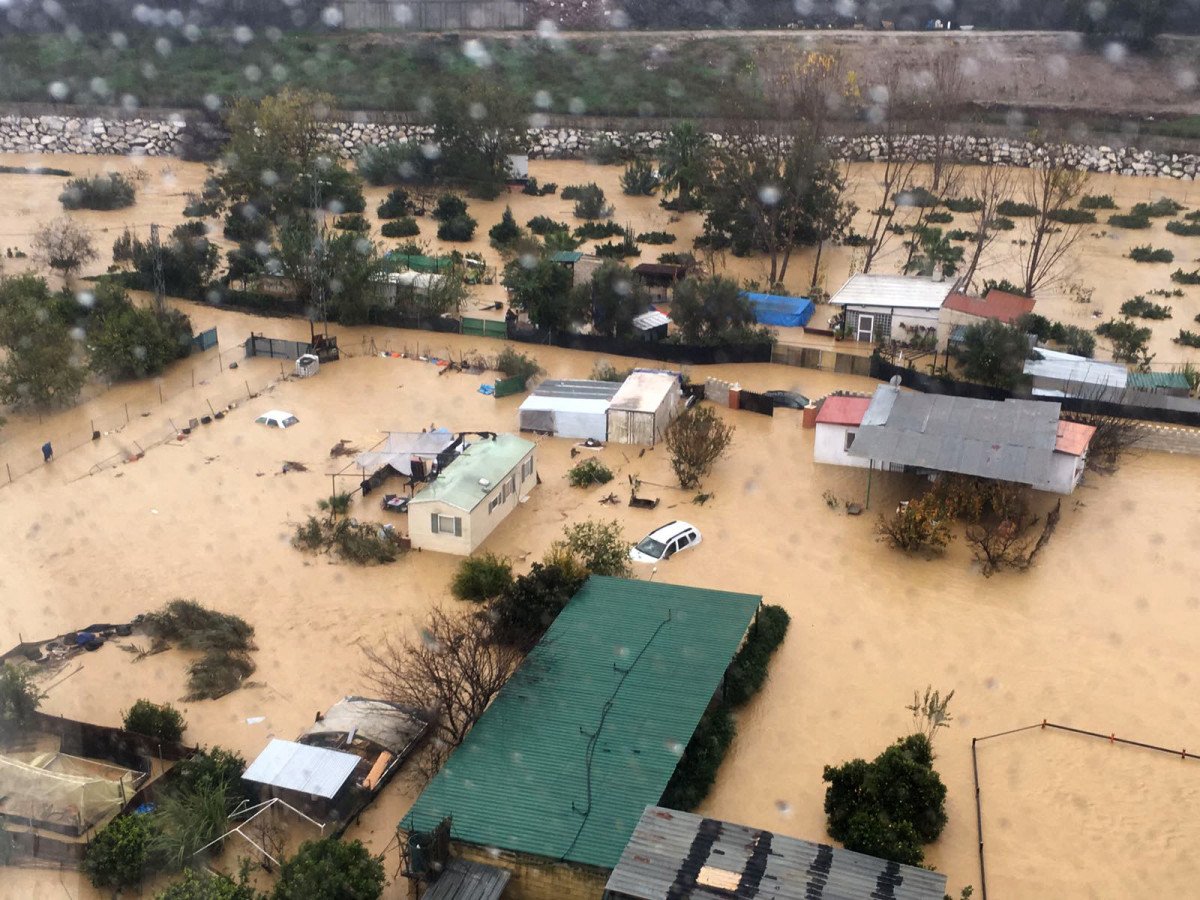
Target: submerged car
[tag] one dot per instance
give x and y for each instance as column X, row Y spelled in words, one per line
column 663, row 543
column 277, row 418
column 786, row 399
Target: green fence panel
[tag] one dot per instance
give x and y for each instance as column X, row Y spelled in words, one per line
column 506, row 387
column 484, row 327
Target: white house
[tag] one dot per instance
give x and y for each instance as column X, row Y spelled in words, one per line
column 837, row 424
column 570, row 409
column 472, row 495
column 890, row 307
column 645, row 405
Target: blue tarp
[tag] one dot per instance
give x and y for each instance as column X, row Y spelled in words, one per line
column 770, row 309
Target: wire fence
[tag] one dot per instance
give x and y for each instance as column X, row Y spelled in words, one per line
column 131, row 427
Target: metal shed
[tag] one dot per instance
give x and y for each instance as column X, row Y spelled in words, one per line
column 643, row 408
column 570, row 409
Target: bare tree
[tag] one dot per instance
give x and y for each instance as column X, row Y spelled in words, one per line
column 450, row 670
column 1051, row 191
column 898, row 168
column 991, row 185
column 809, row 88
column 941, row 89
column 64, row 245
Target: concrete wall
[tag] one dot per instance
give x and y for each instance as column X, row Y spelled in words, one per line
column 829, row 446
column 717, row 391
column 1066, row 470
column 1169, row 439
column 911, row 318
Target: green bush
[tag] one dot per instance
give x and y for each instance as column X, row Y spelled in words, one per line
column 938, row 218
column 479, row 579
column 1146, row 253
column 1141, row 308
column 459, row 228
column 590, row 202
column 1132, row 221
column 639, row 179
column 352, row 222
column 449, row 206
column 331, row 869
column 513, row 364
column 1072, row 216
column 396, row 205
column 701, row 759
column 533, row 189
column 963, row 205
column 918, row 197
column 163, row 721
column 210, row 770
column 655, row 238
column 1002, row 223
column 960, row 234
column 192, row 626
column 19, row 699
column 523, row 612
column 118, row 855
column 591, row 231
column 185, row 820
column 1181, row 277
column 1015, row 210
column 1097, row 201
column 1159, row 209
column 1184, row 228
column 1130, row 340
column 543, row 225
column 400, row 228
column 1002, row 284
column 622, row 249
column 748, row 671
column 217, row 673
column 600, row 546
column 392, row 163
column 588, row 472
column 1188, row 338
column 506, row 231
column 204, row 885
column 103, row 192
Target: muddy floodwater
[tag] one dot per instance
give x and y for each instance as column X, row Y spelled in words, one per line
column 1101, row 634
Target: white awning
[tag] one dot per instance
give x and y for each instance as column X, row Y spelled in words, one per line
column 298, row 767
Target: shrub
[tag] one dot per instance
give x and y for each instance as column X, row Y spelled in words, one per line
column 600, row 546
column 187, row 819
column 590, row 202
column 701, row 759
column 543, row 225
column 481, row 578
column 1016, row 210
column 696, row 440
column 748, row 671
column 960, row 234
column 163, row 721
column 204, row 885
column 1002, row 284
column 918, row 196
column 449, row 206
column 533, row 189
column 963, row 205
column 1132, row 221
column 362, row 543
column 400, row 228
column 523, row 612
column 1146, row 253
column 117, row 856
column 1002, row 223
column 678, row 259
column 210, row 769
column 656, row 237
column 217, row 673
column 103, row 192
column 191, row 626
column 19, row 699
column 1159, row 209
column 920, row 526
column 1078, row 340
column 335, row 504
column 590, row 231
column 1141, row 308
column 387, row 163
column 513, row 364
column 1072, row 216
column 459, row 228
column 506, row 231
column 332, row 870
column 938, row 218
column 201, row 206
column 1097, row 201
column 621, row 249
column 1186, row 229
column 1181, row 277
column 352, row 222
column 396, row 205
column 639, row 179
column 1188, row 338
column 1130, row 341
column 588, row 472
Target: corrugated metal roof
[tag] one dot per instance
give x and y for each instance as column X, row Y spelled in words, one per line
column 590, row 729
column 680, row 856
column 566, row 256
column 648, row 320
column 580, row 390
column 644, row 391
column 467, row 880
column 298, row 767
column 996, row 304
column 1074, row 437
column 1070, row 369
column 899, row 291
column 458, row 483
column 1148, row 381
column 1013, row 440
column 391, row 726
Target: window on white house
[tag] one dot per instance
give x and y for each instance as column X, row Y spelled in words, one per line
column 446, row 525
column 493, row 503
column 849, row 440
column 512, row 485
column 526, row 468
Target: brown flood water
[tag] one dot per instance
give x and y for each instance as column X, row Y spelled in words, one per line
column 1102, row 634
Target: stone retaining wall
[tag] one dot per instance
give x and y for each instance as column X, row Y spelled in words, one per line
column 1168, row 439
column 160, row 137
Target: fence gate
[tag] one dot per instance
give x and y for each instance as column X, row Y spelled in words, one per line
column 205, row 340
column 275, row 348
column 484, row 327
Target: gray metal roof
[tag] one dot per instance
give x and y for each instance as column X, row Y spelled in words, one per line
column 680, row 856
column 1080, row 371
column 1011, row 440
column 648, row 320
column 578, row 390
column 298, row 767
column 466, row 880
column 386, row 724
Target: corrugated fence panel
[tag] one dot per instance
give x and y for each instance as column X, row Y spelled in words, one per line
column 506, row 387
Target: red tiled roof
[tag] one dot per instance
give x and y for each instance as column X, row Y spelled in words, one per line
column 1073, row 438
column 843, row 410
column 996, row 305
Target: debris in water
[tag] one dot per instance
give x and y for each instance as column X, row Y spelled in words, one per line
column 343, row 448
column 292, row 466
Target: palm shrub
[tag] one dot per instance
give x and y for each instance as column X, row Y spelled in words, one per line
column 639, row 179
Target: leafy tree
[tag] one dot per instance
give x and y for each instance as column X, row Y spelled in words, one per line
column 714, row 310
column 333, row 274
column 188, row 259
column 481, row 578
column 599, row 546
column 332, row 870
column 19, row 699
column 118, row 855
column 64, row 245
column 396, row 205
column 933, row 252
column 212, row 769
column 888, row 807
column 203, row 885
column 696, row 440
column 162, row 721
column 615, row 298
column 476, row 127
column 590, row 202
column 506, row 231
column 1130, row 341
column 128, row 341
column 523, row 612
column 541, row 288
column 994, row 353
column 43, row 363
column 683, row 164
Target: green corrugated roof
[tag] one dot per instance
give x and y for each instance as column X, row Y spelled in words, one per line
column 566, row 256
column 491, row 458
column 1147, row 381
column 634, row 663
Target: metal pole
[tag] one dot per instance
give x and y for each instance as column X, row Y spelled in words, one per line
column 126, row 413
column 160, row 396
column 979, row 821
column 247, row 390
column 870, row 470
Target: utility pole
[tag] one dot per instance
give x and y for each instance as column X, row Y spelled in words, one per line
column 318, row 258
column 159, row 284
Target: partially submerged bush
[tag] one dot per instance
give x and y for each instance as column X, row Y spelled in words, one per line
column 192, row 626
column 1141, row 308
column 460, row 228
column 963, row 204
column 588, row 472
column 400, row 228
column 506, row 231
column 1181, row 277
column 938, row 218
column 600, row 547
column 697, row 768
column 515, row 364
column 622, row 249
column 590, row 202
column 1131, row 221
column 639, row 179
column 363, row 543
column 527, row 607
column 606, row 371
column 596, row 230
column 19, row 698
column 1097, row 201
column 543, row 225
column 117, row 856
column 748, row 671
column 102, row 192
column 217, row 673
column 396, row 205
column 919, row 525
column 162, row 721
column 1149, row 254
column 1016, row 210
column 352, row 222
column 1072, row 216
column 656, row 237
column 331, row 868
column 1187, row 339
column 1185, row 229
column 1159, row 209
column 479, row 579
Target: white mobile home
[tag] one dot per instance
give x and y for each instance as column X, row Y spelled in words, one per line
column 645, row 405
column 890, row 307
column 472, row 495
column 569, row 409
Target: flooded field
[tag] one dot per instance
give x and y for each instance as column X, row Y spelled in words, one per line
column 1103, row 633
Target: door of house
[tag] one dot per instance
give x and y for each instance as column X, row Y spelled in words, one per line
column 866, row 327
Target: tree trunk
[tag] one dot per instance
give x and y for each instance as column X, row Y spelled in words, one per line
column 816, row 265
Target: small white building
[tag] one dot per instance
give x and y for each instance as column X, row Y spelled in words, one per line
column 569, row 409
column 837, row 424
column 1056, row 374
column 890, row 307
column 397, row 284
column 472, row 495
column 645, row 405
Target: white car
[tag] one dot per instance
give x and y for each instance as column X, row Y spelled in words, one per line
column 663, row 543
column 277, row 418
